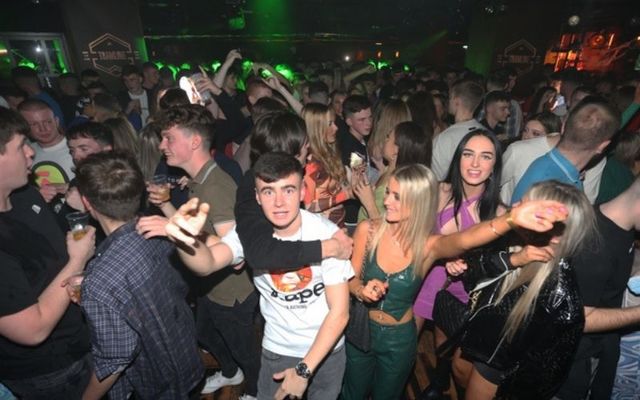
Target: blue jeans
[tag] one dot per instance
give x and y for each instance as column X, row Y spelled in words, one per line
column 323, row 385
column 66, row 384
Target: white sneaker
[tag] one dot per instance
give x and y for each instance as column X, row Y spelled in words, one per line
column 247, row 397
column 217, row 380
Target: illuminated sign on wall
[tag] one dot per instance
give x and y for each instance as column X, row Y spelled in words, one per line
column 521, row 55
column 108, row 53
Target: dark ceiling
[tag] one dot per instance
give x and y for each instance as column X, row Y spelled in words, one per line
column 371, row 18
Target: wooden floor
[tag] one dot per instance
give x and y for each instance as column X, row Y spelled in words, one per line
column 418, row 380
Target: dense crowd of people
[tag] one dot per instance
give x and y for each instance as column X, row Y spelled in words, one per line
column 431, row 199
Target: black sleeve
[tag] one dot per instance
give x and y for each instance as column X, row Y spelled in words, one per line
column 592, row 266
column 235, row 124
column 261, row 249
column 15, row 292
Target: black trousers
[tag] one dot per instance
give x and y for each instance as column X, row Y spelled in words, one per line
column 228, row 333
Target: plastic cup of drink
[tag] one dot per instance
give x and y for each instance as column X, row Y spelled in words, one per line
column 163, row 187
column 74, row 286
column 78, row 222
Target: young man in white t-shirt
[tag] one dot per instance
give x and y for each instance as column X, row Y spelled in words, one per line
column 307, row 309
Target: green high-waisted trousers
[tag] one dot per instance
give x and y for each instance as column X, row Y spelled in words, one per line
column 382, row 371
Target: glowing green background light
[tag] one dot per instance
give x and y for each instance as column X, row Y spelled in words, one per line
column 285, row 71
column 61, row 65
column 215, row 65
column 272, row 16
column 27, row 63
column 237, row 23
column 186, row 66
column 174, row 70
column 378, row 64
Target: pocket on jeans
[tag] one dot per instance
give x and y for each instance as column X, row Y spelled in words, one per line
column 271, row 356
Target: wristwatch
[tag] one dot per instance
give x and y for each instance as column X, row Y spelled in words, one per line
column 303, row 370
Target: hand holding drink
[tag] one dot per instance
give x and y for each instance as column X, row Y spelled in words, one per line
column 74, row 287
column 78, row 222
column 159, row 190
column 80, row 252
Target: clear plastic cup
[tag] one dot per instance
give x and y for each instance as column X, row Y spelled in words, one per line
column 78, row 222
column 163, row 187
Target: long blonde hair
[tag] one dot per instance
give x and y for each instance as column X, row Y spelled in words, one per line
column 317, row 118
column 579, row 229
column 419, row 194
column 387, row 117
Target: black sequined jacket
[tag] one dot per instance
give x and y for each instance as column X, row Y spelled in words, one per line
column 537, row 359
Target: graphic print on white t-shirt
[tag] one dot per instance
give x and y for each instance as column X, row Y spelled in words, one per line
column 293, row 302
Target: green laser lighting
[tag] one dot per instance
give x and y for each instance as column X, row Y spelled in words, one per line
column 159, row 64
column 186, row 66
column 215, row 65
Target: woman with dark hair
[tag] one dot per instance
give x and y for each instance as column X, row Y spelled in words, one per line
column 405, row 144
column 441, row 103
column 541, row 124
column 469, row 194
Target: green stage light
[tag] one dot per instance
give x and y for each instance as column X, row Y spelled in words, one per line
column 186, row 66
column 215, row 65
column 159, row 64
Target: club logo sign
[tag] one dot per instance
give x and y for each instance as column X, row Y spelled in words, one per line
column 521, row 55
column 108, row 53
